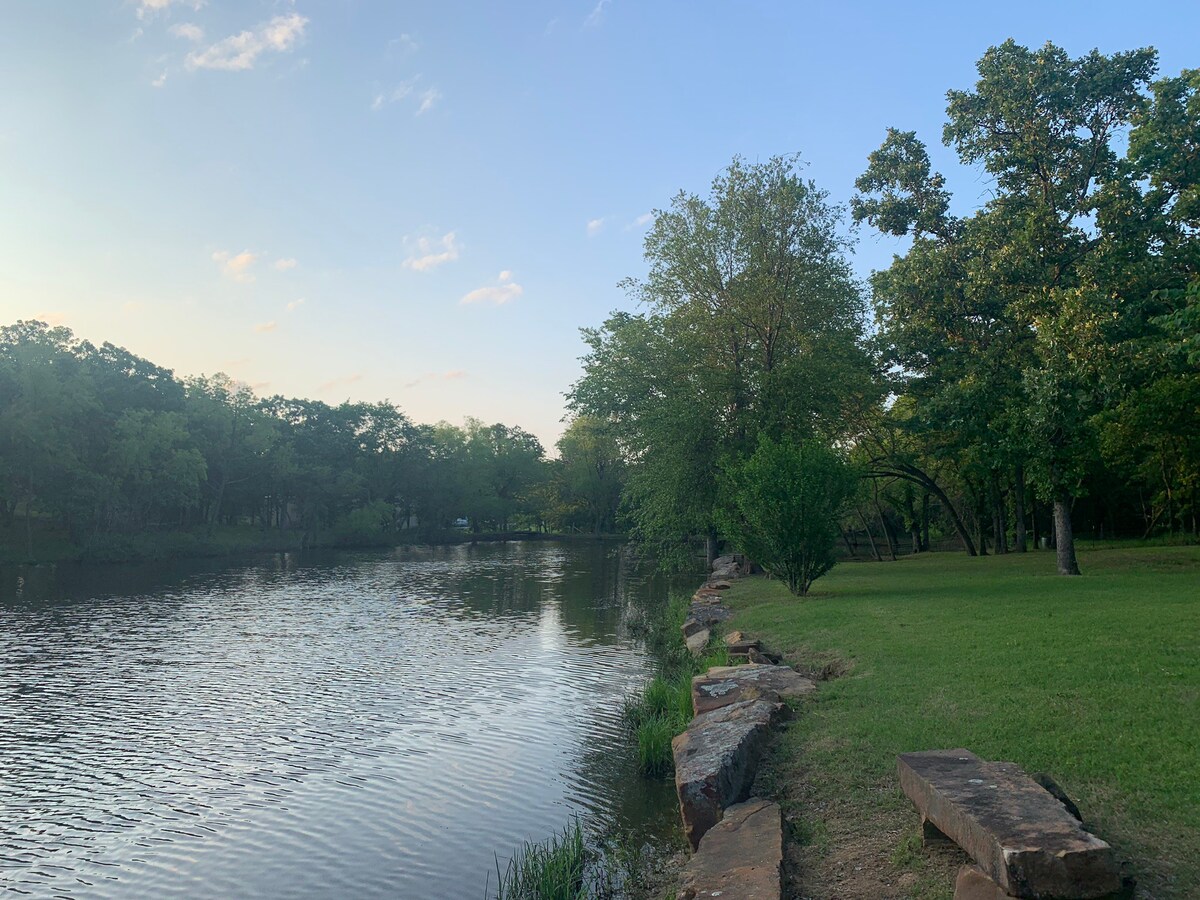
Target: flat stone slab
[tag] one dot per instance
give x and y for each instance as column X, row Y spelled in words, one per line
column 697, row 641
column 739, row 858
column 715, row 761
column 723, row 685
column 1020, row 836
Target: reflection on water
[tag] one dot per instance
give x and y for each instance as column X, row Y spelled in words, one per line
column 349, row 725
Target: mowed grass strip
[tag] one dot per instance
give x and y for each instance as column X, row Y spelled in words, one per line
column 1094, row 680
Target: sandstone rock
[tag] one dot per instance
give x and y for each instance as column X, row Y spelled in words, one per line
column 1049, row 784
column 973, row 884
column 735, row 637
column 708, row 614
column 1021, row 837
column 718, row 585
column 697, row 641
column 715, row 762
column 723, row 685
column 740, row 857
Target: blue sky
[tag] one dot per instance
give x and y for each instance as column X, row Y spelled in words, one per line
column 424, row 201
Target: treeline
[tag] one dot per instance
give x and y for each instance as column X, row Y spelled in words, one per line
column 96, row 441
column 1033, row 364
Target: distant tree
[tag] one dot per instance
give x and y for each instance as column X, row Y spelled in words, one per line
column 781, row 506
column 589, row 474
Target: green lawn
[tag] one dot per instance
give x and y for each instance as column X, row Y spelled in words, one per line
column 1095, row 680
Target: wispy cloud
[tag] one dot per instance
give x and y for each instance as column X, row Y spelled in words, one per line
column 236, row 266
column 282, row 265
column 431, row 254
column 266, row 326
column 294, row 305
column 452, row 375
column 425, row 99
column 159, row 81
column 189, row 31
column 52, row 319
column 340, row 382
column 240, row 52
column 150, row 7
column 642, row 221
column 500, row 293
column 595, row 226
column 596, row 16
column 131, row 307
column 403, row 45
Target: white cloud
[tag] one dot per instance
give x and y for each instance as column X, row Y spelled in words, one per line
column 595, row 226
column 53, row 319
column 500, row 293
column 159, row 81
column 189, row 31
column 150, row 7
column 428, row 99
column 337, row 382
column 403, row 45
column 452, row 375
column 642, row 220
column 431, row 254
column 282, row 265
column 596, row 16
column 266, row 326
column 240, row 52
column 294, row 305
column 236, row 266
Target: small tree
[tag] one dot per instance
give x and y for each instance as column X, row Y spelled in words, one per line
column 781, row 505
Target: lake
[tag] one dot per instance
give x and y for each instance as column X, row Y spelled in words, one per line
column 319, row 725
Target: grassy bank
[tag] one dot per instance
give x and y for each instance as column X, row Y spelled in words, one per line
column 1095, row 680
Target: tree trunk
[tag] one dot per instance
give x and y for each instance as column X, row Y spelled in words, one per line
column 849, row 546
column 1064, row 536
column 870, row 537
column 710, row 548
column 1019, row 509
column 912, row 473
column 925, row 522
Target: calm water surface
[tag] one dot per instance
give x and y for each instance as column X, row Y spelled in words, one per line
column 356, row 725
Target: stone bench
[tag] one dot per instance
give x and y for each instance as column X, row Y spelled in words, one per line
column 1021, row 837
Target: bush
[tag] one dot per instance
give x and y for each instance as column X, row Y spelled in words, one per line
column 780, row 507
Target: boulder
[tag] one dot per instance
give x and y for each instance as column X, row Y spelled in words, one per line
column 973, row 884
column 1021, row 837
column 739, row 858
column 722, row 685
column 697, row 640
column 716, row 759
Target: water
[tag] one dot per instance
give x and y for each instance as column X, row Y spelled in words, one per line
column 353, row 725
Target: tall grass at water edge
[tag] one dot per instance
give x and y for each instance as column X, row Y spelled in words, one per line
column 663, row 708
column 567, row 866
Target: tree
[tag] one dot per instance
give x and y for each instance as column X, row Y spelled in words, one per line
column 589, row 474
column 753, row 326
column 1011, row 300
column 781, row 507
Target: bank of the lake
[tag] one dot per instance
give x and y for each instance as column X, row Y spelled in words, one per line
column 1095, row 680
column 53, row 545
column 322, row 724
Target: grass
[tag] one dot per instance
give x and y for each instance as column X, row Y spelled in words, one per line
column 547, row 870
column 663, row 708
column 1095, row 680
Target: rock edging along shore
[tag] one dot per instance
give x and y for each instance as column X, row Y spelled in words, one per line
column 737, row 844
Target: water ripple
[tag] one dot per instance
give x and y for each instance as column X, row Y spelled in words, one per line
column 370, row 725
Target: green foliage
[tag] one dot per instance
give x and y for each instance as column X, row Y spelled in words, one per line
column 782, row 505
column 753, row 325
column 550, row 870
column 654, row 736
column 106, row 446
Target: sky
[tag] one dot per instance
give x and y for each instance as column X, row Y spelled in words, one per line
column 425, row 201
